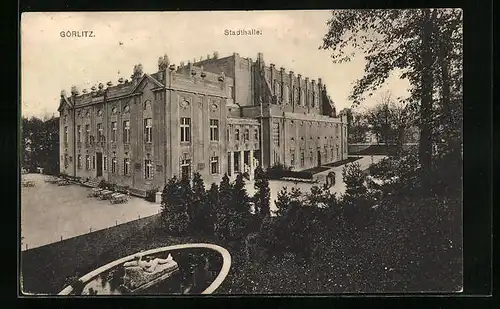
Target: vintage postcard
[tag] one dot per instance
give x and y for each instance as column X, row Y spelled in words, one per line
column 241, row 152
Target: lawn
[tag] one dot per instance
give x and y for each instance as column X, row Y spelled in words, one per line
column 339, row 163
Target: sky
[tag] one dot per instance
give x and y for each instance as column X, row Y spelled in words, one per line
column 289, row 39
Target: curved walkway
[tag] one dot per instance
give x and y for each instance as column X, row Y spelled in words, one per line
column 226, row 264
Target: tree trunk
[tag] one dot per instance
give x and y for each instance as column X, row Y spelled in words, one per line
column 425, row 145
column 453, row 159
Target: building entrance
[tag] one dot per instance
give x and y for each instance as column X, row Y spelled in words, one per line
column 99, row 164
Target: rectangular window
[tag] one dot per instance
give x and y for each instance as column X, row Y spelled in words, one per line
column 105, row 163
column 78, row 133
column 65, row 135
column 186, row 168
column 79, row 162
column 302, row 159
column 114, row 127
column 99, row 132
column 126, row 166
column 148, row 130
column 256, row 135
column 311, row 157
column 214, row 129
column 185, row 129
column 148, row 169
column 214, row 165
column 276, row 133
column 246, row 135
column 126, row 132
column 87, row 134
column 65, row 161
column 292, row 159
column 87, row 162
column 93, row 162
column 236, row 134
column 113, row 165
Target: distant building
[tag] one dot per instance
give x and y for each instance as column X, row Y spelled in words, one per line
column 216, row 116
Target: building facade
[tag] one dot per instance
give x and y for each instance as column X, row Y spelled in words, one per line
column 217, row 116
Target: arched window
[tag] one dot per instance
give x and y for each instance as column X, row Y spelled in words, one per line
column 278, row 90
column 286, row 94
column 236, row 134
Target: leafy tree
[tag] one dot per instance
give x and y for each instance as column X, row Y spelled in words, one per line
column 211, row 205
column 215, row 55
column 197, row 207
column 174, row 210
column 408, row 41
column 357, row 126
column 283, row 202
column 40, row 144
column 241, row 200
column 262, row 193
column 241, row 219
column 354, row 179
column 389, row 120
column 224, row 208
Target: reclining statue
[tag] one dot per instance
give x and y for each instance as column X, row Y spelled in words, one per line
column 139, row 272
column 149, row 266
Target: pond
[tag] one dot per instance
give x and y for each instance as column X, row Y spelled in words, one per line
column 197, row 269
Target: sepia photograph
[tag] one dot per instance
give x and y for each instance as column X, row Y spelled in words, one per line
column 290, row 152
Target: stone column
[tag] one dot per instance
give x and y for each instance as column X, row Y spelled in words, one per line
column 251, row 163
column 231, row 165
column 242, row 162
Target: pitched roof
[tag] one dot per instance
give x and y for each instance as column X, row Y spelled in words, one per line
column 64, row 100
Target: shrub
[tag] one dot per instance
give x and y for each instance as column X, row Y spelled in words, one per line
column 103, row 184
column 175, row 198
column 354, row 179
column 298, row 174
column 277, row 170
column 262, row 193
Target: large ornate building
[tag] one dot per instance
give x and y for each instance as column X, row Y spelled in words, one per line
column 220, row 115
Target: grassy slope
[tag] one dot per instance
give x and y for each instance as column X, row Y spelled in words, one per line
column 45, row 268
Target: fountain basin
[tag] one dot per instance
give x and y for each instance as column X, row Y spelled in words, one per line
column 195, row 262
